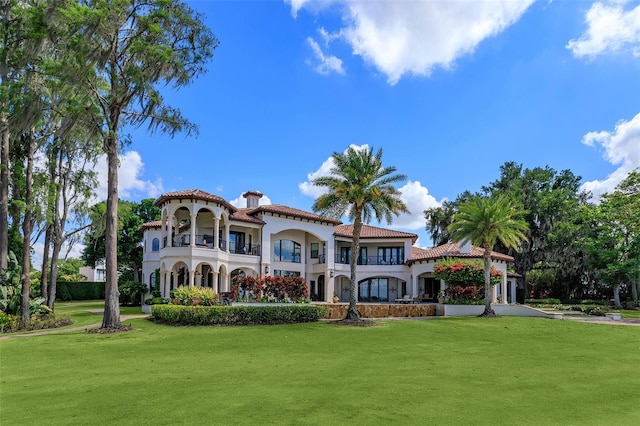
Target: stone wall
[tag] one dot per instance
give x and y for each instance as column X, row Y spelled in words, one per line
column 370, row 310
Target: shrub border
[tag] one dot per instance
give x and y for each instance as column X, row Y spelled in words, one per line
column 237, row 315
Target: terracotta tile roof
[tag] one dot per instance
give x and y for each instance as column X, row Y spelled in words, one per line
column 372, row 232
column 150, row 225
column 290, row 211
column 194, row 194
column 453, row 250
column 244, row 215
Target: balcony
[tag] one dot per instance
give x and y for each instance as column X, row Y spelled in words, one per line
column 371, row 260
column 206, row 241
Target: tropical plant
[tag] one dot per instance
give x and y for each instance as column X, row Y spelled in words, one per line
column 464, row 272
column 361, row 187
column 484, row 221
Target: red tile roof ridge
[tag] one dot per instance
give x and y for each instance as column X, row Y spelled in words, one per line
column 369, row 231
column 196, row 194
column 290, row 211
column 453, row 250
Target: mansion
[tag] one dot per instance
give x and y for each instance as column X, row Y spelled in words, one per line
column 203, row 240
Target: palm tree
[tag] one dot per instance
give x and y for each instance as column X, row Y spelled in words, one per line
column 360, row 186
column 484, row 221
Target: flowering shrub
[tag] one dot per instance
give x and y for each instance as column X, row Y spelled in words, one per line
column 469, row 295
column 464, row 273
column 270, row 288
column 194, row 296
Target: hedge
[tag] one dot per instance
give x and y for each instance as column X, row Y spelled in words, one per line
column 236, row 315
column 82, row 290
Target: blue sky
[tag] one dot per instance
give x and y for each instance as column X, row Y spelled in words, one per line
column 449, row 90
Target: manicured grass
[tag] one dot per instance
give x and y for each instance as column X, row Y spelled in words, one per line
column 441, row 371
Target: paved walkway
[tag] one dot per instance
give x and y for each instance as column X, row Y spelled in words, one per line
column 67, row 330
column 604, row 320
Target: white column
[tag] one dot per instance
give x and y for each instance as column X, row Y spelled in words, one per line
column 170, row 231
column 414, row 286
column 166, row 283
column 216, row 233
column 193, row 230
column 214, row 284
column 504, row 290
column 192, row 277
column 226, row 235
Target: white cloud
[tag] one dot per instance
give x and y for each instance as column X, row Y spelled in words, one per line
column 73, row 252
column 621, row 147
column 610, row 28
column 414, row 37
column 414, row 195
column 129, row 182
column 307, row 188
column 417, row 199
column 241, row 202
column 324, row 64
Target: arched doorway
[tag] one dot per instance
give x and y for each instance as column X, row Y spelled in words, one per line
column 321, row 292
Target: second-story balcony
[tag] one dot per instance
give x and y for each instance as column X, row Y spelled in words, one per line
column 370, row 260
column 207, row 241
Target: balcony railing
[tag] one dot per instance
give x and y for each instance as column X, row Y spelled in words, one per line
column 207, row 241
column 371, row 260
column 252, row 250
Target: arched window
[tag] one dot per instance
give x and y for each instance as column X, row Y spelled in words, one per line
column 155, row 244
column 286, row 251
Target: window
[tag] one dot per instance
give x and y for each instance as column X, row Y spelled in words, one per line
column 374, row 290
column 390, row 255
column 345, row 255
column 236, row 242
column 155, row 244
column 362, row 259
column 286, row 251
column 286, row 274
column 315, row 250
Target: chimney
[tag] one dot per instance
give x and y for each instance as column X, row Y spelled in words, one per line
column 465, row 247
column 253, row 199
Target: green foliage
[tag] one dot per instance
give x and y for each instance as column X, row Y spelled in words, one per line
column 11, row 324
column 237, row 315
column 194, row 296
column 10, row 286
column 156, row 301
column 547, row 301
column 464, row 272
column 131, row 293
column 69, row 270
column 79, row 290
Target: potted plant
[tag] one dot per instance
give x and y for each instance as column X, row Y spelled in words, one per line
column 336, row 299
column 441, row 296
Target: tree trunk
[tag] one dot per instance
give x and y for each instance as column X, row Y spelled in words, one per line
column 4, row 146
column 616, row 296
column 27, row 226
column 111, row 318
column 488, row 311
column 4, row 192
column 352, row 312
column 53, row 276
column 44, row 285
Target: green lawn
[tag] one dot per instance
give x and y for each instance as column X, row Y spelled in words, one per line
column 441, row 371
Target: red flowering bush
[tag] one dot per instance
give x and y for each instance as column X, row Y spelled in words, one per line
column 270, row 288
column 470, row 295
column 464, row 273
